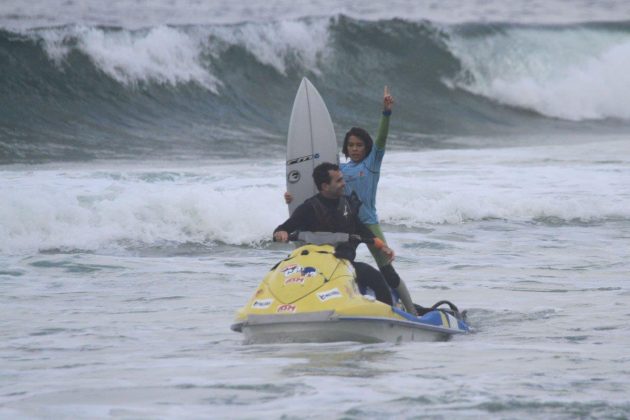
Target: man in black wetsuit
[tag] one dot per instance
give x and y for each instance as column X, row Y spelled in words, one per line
column 331, row 211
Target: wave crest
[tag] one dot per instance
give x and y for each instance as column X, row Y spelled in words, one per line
column 572, row 73
column 162, row 54
column 78, row 92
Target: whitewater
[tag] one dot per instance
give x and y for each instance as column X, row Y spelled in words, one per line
column 142, row 173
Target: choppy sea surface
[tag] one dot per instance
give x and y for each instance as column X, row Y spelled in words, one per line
column 141, row 175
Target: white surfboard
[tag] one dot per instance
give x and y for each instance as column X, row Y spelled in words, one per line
column 311, row 141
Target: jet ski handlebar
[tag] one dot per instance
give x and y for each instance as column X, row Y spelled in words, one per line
column 333, row 238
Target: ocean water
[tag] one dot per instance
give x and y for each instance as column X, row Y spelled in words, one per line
column 141, row 176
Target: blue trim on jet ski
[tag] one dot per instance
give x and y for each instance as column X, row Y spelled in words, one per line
column 431, row 318
column 411, row 324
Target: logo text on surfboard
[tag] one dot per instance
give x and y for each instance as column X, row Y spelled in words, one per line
column 303, row 159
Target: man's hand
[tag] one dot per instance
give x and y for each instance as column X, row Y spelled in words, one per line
column 281, row 236
column 288, row 197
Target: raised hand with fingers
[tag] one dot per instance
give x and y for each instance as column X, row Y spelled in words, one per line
column 388, row 100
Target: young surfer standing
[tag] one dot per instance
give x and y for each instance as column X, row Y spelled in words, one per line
column 362, row 173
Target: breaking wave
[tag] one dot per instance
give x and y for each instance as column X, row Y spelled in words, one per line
column 80, row 92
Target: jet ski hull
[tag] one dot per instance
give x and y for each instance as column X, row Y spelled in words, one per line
column 312, row 296
column 325, row 327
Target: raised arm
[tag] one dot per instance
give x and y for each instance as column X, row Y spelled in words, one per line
column 383, row 127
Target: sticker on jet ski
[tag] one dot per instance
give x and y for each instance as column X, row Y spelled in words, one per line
column 309, row 271
column 329, row 294
column 292, row 269
column 288, row 308
column 262, row 303
column 294, row 280
column 303, row 274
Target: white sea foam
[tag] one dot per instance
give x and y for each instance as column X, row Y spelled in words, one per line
column 169, row 55
column 161, row 54
column 278, row 44
column 582, row 183
column 574, row 74
column 237, row 203
column 92, row 210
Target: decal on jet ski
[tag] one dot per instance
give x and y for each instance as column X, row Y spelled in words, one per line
column 452, row 321
column 294, row 280
column 292, row 269
column 329, row 294
column 309, row 271
column 288, row 308
column 262, row 303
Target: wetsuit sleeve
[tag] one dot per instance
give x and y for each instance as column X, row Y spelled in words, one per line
column 299, row 220
column 383, row 130
column 363, row 231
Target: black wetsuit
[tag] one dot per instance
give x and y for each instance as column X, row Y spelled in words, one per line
column 321, row 214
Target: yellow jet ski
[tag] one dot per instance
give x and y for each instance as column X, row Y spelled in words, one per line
column 312, row 296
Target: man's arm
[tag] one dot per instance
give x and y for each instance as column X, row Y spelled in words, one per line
column 298, row 221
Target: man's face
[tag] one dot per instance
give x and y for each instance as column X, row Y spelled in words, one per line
column 336, row 187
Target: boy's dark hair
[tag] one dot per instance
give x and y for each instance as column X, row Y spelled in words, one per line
column 321, row 175
column 360, row 134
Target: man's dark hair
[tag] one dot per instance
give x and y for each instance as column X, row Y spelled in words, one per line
column 362, row 135
column 321, row 174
